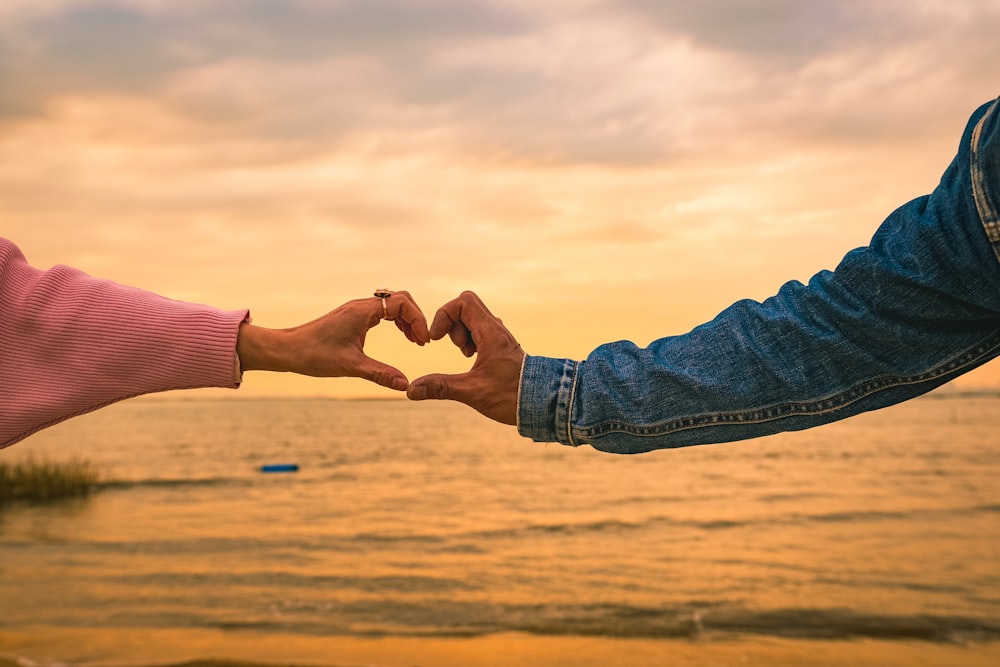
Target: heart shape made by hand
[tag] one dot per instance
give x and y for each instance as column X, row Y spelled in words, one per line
column 490, row 386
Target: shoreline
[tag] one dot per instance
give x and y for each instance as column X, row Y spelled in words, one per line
column 81, row 647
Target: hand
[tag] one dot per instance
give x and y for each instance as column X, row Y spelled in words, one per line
column 333, row 345
column 491, row 385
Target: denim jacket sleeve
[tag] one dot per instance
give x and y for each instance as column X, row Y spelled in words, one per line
column 918, row 306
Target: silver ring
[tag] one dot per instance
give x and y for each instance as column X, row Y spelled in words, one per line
column 383, row 294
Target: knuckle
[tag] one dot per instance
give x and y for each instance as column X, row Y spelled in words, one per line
column 438, row 387
column 380, row 376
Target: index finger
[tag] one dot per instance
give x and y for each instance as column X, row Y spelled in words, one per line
column 466, row 309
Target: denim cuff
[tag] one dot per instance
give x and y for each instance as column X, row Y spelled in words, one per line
column 985, row 156
column 545, row 400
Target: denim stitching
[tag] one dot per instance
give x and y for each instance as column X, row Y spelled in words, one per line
column 520, row 383
column 777, row 412
column 569, row 407
column 987, row 214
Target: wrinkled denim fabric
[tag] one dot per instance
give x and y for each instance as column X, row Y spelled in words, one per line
column 917, row 307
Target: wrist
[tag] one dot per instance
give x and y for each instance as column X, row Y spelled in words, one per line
column 260, row 349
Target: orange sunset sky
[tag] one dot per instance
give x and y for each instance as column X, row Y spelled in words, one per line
column 595, row 170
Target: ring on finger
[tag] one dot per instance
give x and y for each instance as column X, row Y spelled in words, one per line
column 383, row 294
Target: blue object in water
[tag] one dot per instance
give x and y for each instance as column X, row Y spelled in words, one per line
column 280, row 467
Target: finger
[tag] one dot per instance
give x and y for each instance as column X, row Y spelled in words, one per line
column 469, row 309
column 448, row 315
column 462, row 338
column 459, row 334
column 439, row 386
column 442, row 323
column 381, row 374
column 407, row 331
column 401, row 308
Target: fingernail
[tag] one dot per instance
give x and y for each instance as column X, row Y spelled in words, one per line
column 400, row 384
column 417, row 392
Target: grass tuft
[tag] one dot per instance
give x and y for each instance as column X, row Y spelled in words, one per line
column 46, row 480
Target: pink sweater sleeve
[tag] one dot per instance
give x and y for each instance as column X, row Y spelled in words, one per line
column 70, row 344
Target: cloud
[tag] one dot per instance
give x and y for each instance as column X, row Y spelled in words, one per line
column 393, row 29
column 101, row 48
column 132, row 47
column 361, row 114
column 628, row 83
column 786, row 33
column 833, row 72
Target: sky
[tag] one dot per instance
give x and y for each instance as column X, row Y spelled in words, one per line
column 595, row 170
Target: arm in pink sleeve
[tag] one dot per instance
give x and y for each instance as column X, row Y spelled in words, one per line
column 70, row 344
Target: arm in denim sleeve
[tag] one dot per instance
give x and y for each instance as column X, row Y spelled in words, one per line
column 917, row 307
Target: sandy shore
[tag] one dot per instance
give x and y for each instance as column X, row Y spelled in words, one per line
column 202, row 648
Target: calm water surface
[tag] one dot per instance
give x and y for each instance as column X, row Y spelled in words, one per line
column 426, row 520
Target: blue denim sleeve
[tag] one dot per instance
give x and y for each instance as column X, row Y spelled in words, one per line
column 918, row 306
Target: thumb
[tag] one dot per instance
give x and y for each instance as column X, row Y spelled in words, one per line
column 438, row 386
column 382, row 374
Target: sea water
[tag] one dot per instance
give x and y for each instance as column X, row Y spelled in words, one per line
column 426, row 520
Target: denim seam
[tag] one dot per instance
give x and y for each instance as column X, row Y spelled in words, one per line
column 987, row 213
column 785, row 410
column 569, row 408
column 520, row 383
